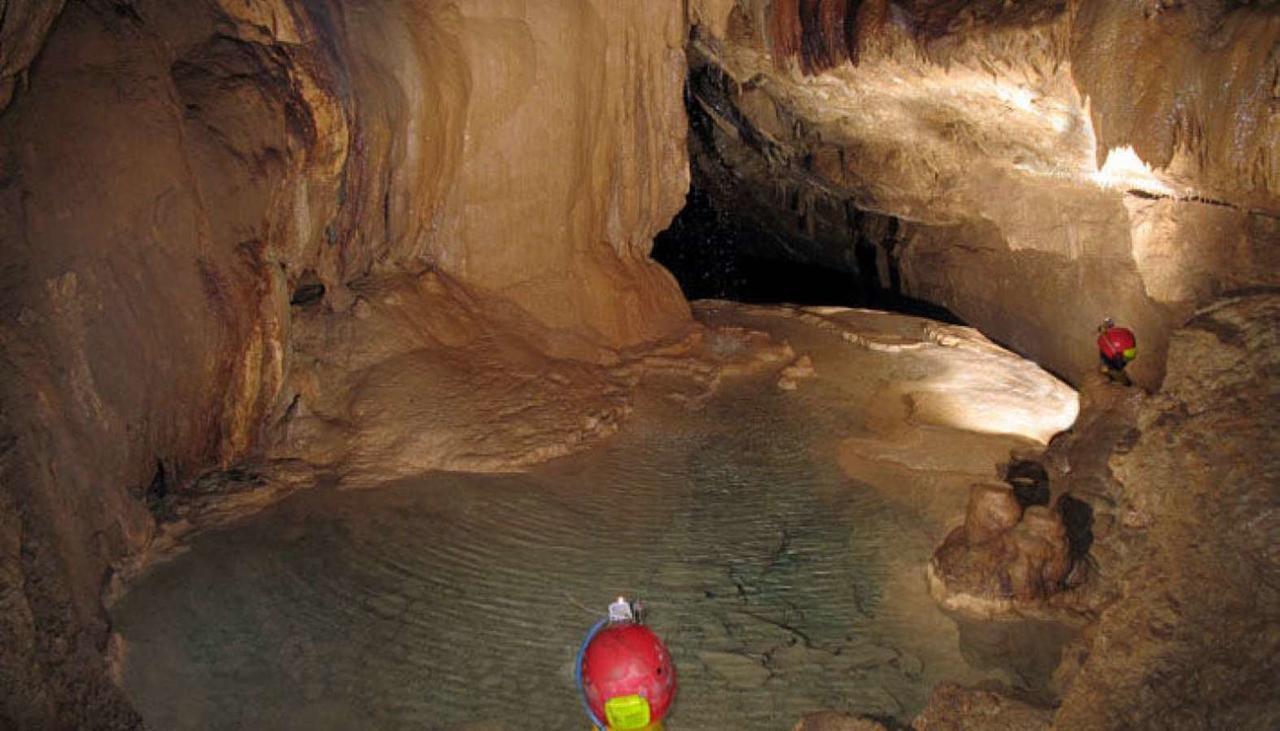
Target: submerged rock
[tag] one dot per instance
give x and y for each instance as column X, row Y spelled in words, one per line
column 801, row 368
column 738, row 670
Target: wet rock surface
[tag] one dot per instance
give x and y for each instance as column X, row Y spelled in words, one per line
column 1185, row 546
column 1002, row 557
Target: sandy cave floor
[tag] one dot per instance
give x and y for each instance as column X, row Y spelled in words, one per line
column 776, row 519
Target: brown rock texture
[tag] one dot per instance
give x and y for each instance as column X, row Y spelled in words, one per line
column 23, row 26
column 1217, row 137
column 954, row 708
column 835, row 721
column 992, row 512
column 182, row 179
column 1003, row 559
column 1182, row 488
column 1120, row 156
column 1186, row 539
column 1183, row 510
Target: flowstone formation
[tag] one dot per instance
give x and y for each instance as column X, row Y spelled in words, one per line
column 188, row 183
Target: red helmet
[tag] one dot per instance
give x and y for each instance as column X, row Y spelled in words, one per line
column 1116, row 342
column 627, row 676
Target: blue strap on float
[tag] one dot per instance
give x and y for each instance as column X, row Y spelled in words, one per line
column 577, row 672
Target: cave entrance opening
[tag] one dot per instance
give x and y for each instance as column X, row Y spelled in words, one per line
column 717, row 252
column 757, row 228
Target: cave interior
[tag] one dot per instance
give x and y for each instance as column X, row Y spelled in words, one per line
column 327, row 291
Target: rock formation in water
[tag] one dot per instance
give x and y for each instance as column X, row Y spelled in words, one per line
column 1003, row 557
column 1187, row 512
column 187, row 183
column 1171, row 502
column 954, row 708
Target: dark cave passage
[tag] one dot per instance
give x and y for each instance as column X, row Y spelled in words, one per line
column 713, row 254
column 790, row 244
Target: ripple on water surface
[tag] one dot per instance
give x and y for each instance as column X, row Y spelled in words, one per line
column 449, row 599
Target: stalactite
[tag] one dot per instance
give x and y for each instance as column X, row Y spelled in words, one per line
column 821, row 34
column 785, row 30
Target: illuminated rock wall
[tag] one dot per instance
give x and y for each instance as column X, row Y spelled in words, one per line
column 1033, row 166
column 174, row 172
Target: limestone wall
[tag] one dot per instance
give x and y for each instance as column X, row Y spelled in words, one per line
column 1037, row 166
column 174, row 171
column 1048, row 163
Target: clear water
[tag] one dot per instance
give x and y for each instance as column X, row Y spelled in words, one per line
column 450, row 600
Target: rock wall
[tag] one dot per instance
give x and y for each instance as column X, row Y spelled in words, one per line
column 23, row 26
column 1120, row 156
column 1035, row 167
column 1185, row 489
column 175, row 173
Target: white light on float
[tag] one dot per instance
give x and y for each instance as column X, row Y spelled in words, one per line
column 1124, row 169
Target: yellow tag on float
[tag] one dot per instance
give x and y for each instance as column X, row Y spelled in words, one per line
column 1130, row 353
column 627, row 712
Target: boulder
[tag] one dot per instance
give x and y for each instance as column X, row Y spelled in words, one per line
column 1003, row 558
